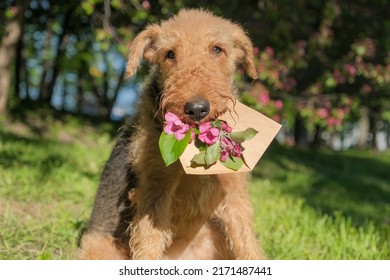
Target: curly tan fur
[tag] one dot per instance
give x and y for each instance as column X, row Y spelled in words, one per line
column 145, row 210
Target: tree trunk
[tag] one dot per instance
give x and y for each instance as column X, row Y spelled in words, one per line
column 300, row 133
column 9, row 42
column 364, row 127
column 18, row 68
column 43, row 94
column 47, row 87
column 374, row 120
column 317, row 141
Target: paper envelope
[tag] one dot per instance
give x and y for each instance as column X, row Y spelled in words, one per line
column 239, row 118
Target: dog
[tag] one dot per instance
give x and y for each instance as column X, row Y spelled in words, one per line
column 147, row 211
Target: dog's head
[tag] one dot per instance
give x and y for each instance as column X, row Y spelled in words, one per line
column 196, row 55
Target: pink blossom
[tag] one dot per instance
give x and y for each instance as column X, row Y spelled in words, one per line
column 332, row 122
column 14, row 10
column 224, row 156
column 366, row 89
column 226, row 144
column 208, row 134
column 264, row 97
column 279, row 104
column 347, row 110
column 226, row 127
column 261, row 67
column 339, row 77
column 276, row 118
column 322, row 113
column 204, row 127
column 175, row 126
column 269, row 51
column 146, row 5
column 256, row 51
column 350, row 69
column 236, row 152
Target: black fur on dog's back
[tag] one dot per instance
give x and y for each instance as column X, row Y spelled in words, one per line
column 112, row 211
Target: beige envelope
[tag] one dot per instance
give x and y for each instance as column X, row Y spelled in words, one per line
column 240, row 118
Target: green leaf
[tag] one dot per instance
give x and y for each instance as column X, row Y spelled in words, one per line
column 233, row 163
column 200, row 158
column 170, row 148
column 217, row 123
column 330, row 82
column 241, row 136
column 212, row 153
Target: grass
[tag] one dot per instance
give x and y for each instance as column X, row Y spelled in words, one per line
column 321, row 204
column 308, row 204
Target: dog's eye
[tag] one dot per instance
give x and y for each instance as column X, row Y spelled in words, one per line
column 171, row 55
column 217, row 50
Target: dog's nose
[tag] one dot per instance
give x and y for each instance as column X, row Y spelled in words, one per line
column 197, row 110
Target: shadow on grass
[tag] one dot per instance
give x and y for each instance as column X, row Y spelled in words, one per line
column 353, row 182
column 39, row 115
column 38, row 153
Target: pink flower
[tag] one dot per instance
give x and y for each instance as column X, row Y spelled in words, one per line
column 279, row 104
column 14, row 10
column 226, row 144
column 366, row 88
column 208, row 134
column 226, row 127
column 146, row 5
column 276, row 118
column 331, row 122
column 350, row 69
column 236, row 152
column 228, row 147
column 269, row 51
column 224, row 156
column 322, row 113
column 175, row 126
column 339, row 77
column 264, row 98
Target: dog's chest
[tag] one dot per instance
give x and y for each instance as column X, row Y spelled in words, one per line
column 195, row 199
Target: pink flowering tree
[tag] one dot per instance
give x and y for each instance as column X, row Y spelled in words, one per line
column 323, row 76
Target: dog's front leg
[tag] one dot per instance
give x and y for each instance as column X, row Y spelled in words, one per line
column 236, row 218
column 150, row 232
column 235, row 214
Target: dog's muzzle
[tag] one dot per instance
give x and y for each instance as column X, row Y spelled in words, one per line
column 197, row 110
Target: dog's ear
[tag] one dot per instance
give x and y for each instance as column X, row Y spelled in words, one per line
column 244, row 51
column 142, row 47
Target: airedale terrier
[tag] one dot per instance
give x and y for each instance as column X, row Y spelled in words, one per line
column 145, row 210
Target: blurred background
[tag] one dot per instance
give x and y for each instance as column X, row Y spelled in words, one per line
column 323, row 65
column 324, row 73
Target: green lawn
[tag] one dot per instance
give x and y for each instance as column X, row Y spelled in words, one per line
column 308, row 204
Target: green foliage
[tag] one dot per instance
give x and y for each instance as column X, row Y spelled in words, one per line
column 233, row 163
column 170, row 148
column 212, row 153
column 241, row 136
